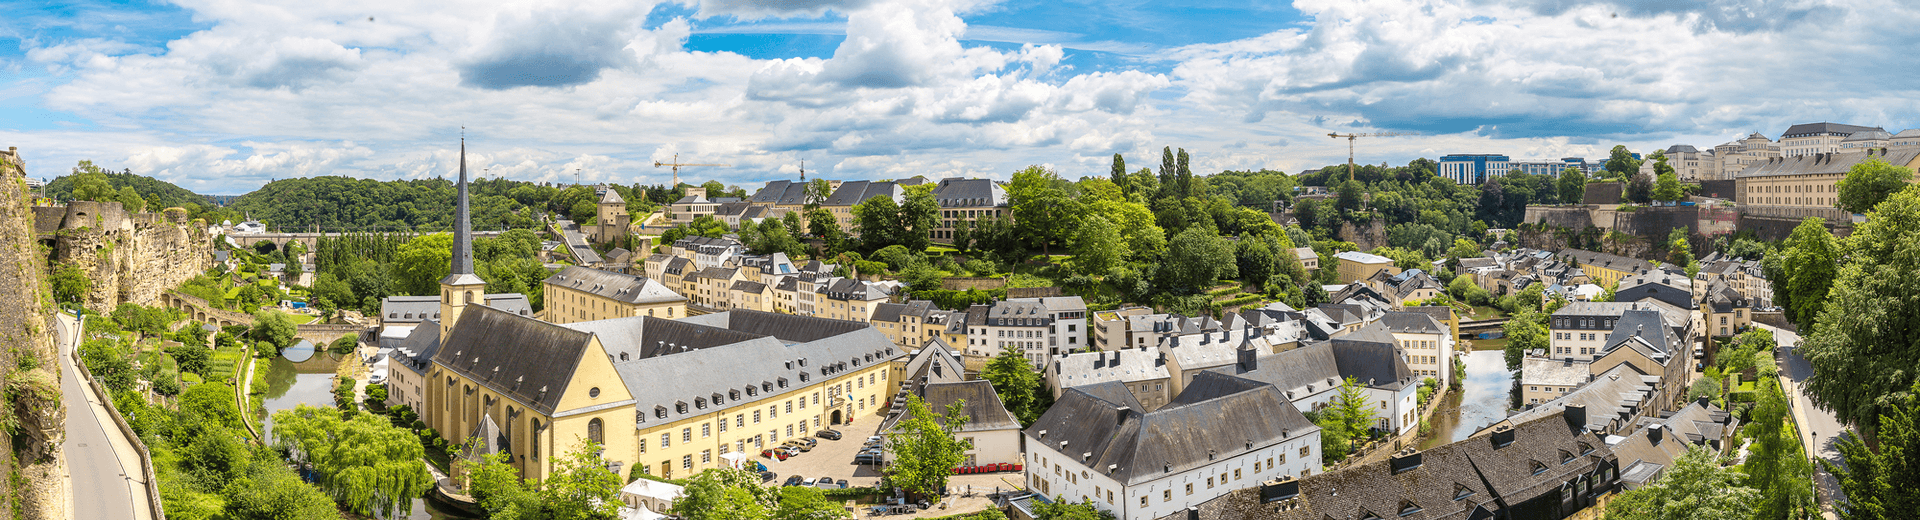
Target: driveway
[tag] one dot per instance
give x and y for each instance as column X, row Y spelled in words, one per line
column 1818, row 427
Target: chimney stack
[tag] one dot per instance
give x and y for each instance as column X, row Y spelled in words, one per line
column 1576, row 416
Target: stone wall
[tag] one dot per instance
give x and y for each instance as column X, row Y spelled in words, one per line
column 129, row 257
column 1372, row 235
column 1571, row 217
column 26, row 350
column 984, row 283
column 1603, row 193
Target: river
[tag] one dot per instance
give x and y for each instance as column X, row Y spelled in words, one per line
column 310, row 382
column 1485, row 400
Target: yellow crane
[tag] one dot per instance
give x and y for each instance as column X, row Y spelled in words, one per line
column 1350, row 139
column 676, row 164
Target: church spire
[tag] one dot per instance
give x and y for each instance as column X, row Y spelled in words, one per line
column 463, row 227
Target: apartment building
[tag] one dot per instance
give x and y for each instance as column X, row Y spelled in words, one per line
column 1108, row 329
column 1038, row 327
column 1733, row 157
column 1604, row 269
column 1741, row 274
column 1806, row 185
column 1546, row 379
column 850, row 299
column 967, row 200
column 1473, row 168
column 1356, row 266
column 1426, row 344
column 1818, row 138
column 1222, row 434
column 1688, row 163
column 1141, row 372
column 577, row 294
column 851, row 193
column 910, row 324
column 1727, row 312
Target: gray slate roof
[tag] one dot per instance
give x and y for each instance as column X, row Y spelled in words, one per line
column 1824, row 128
column 855, row 192
column 1142, row 447
column 416, row 309
column 981, row 404
column 969, row 193
column 619, row 287
column 524, row 359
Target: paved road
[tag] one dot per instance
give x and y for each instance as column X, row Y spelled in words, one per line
column 99, row 460
column 1818, row 427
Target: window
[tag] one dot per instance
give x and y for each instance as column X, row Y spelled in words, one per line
column 756, row 417
column 723, row 425
column 1167, row 496
column 740, row 420
column 706, row 430
column 1304, row 452
column 1190, row 487
column 686, row 435
column 593, row 431
column 686, row 462
column 666, row 440
column 1143, row 501
column 1209, row 485
column 643, row 445
column 1236, row 473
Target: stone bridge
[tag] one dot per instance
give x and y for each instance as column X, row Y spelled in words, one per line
column 198, row 309
column 280, row 240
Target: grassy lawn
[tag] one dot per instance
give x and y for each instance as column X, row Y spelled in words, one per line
column 1482, row 312
column 1490, row 344
column 302, row 319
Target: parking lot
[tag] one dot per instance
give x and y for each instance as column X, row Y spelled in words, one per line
column 834, row 459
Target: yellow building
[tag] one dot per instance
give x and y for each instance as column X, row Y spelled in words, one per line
column 969, row 201
column 1356, row 266
column 712, row 287
column 849, row 299
column 1605, row 269
column 1806, row 185
column 1726, row 310
column 581, row 294
column 612, row 219
column 851, row 193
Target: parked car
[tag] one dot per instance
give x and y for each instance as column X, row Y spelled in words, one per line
column 776, row 453
column 807, row 441
column 809, row 482
column 842, row 483
column 768, row 476
column 832, row 435
column 794, row 480
column 875, row 440
column 797, row 445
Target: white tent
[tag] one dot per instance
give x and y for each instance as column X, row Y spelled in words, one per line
column 735, row 460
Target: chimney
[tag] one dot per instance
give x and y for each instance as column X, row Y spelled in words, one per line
column 1502, row 436
column 1120, row 414
column 1249, row 359
column 1704, row 401
column 1654, row 435
column 1404, row 461
column 1279, row 489
column 1576, row 416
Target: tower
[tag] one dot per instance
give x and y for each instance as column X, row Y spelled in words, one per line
column 461, row 287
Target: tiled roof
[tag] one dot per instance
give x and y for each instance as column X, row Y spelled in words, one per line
column 1142, row 446
column 525, row 359
column 619, row 287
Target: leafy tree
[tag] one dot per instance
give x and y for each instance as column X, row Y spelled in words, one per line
column 1572, row 185
column 1042, row 212
column 807, row 503
column 211, row 402
column 497, row 487
column 1335, row 441
column 1013, row 378
column 1525, row 332
column 1097, row 246
column 191, row 358
column 1195, row 258
column 1808, row 269
column 366, row 463
column 108, row 363
column 90, row 183
column 817, row 192
column 1256, row 259
column 1882, row 482
column 1694, row 488
column 70, row 284
column 1621, row 164
column 1862, row 349
column 1169, row 175
column 1119, row 175
column 422, row 263
column 275, row 329
column 1667, row 188
column 925, row 449
column 582, row 487
column 707, row 226
column 1704, row 387
column 1775, row 465
column 1349, row 200
column 1144, row 240
column 1060, row 509
column 130, row 200
column 822, row 224
column 273, row 491
column 1870, row 182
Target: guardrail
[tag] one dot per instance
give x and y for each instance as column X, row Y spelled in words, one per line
column 146, row 457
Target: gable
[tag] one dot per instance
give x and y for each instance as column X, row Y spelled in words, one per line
column 593, row 370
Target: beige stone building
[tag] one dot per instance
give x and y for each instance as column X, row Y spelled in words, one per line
column 1800, row 186
column 1818, row 138
column 1734, row 157
column 1356, row 266
column 581, row 294
column 1109, row 329
column 851, row 193
column 967, row 200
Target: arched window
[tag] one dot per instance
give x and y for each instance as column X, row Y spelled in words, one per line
column 446, row 296
column 469, row 296
column 593, row 431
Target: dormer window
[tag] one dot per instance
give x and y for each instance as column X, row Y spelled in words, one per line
column 1461, row 491
column 718, row 399
column 733, row 395
column 803, row 377
column 751, row 391
column 660, row 412
column 1585, row 448
column 680, row 407
column 1407, row 508
column 766, row 386
column 1566, row 456
column 700, row 403
column 1539, row 468
column 782, row 382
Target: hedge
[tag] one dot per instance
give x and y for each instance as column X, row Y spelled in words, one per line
column 1243, row 300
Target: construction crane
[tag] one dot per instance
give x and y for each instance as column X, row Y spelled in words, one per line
column 1351, row 137
column 676, row 164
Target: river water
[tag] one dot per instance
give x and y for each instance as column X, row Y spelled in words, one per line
column 310, row 382
column 1483, row 402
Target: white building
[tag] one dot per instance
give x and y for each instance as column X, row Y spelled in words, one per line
column 1224, row 433
column 1310, row 376
column 1041, row 328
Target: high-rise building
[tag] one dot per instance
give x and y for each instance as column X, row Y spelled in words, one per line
column 1473, row 168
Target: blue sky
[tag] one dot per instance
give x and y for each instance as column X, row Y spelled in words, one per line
column 222, row 96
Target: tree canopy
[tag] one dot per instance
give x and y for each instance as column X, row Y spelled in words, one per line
column 365, row 462
column 1870, row 182
column 1863, row 348
column 1695, row 487
column 924, row 447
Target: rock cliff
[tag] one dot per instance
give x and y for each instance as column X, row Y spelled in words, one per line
column 34, row 463
column 129, row 257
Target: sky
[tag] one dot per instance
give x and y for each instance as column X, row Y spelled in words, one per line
column 223, row 96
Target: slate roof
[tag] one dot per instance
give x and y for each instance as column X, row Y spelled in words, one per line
column 1868, row 135
column 1364, row 258
column 984, row 410
column 612, row 197
column 1369, row 356
column 969, row 193
column 416, row 351
column 888, row 312
column 1681, row 148
column 524, row 359
column 1470, row 479
column 1824, row 128
column 416, row 309
column 849, row 289
column 1645, row 454
column 1611, row 400
column 1146, row 446
column 617, row 286
column 1555, row 372
column 1823, row 164
column 1113, row 392
column 855, row 192
column 1609, row 261
column 748, row 287
column 1123, row 365
column 737, row 354
column 1412, row 322
column 1439, row 313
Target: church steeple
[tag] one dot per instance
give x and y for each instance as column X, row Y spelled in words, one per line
column 461, row 287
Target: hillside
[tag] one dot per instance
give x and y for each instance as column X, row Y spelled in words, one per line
column 354, row 204
column 158, row 193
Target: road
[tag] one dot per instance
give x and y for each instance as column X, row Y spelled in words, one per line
column 103, row 468
column 1818, row 427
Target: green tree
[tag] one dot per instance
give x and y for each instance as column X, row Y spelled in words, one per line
column 1042, row 213
column 1256, row 259
column 1775, row 465
column 1119, row 175
column 130, row 200
column 422, row 263
column 1870, row 182
column 1060, row 509
column 807, row 503
column 1335, row 441
column 1808, row 269
column 1862, row 348
column 1572, row 185
column 90, row 183
column 274, row 328
column 191, row 358
column 1695, row 487
column 1621, row 164
column 366, row 463
column 70, row 284
column 1097, row 246
column 925, row 449
column 582, row 487
column 726, row 494
column 817, row 192
column 1145, row 240
column 1667, row 188
column 823, row 225
column 1883, row 482
column 1639, row 188
column 1013, row 377
column 212, row 402
column 1351, row 406
column 496, row 485
column 272, row 491
column 1195, row 258
column 1525, row 332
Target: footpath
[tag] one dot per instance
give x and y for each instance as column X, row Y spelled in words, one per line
column 103, row 467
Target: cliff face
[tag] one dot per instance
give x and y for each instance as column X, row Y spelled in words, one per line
column 33, row 460
column 129, row 257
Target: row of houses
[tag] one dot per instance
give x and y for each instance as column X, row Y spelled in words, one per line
column 960, row 200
